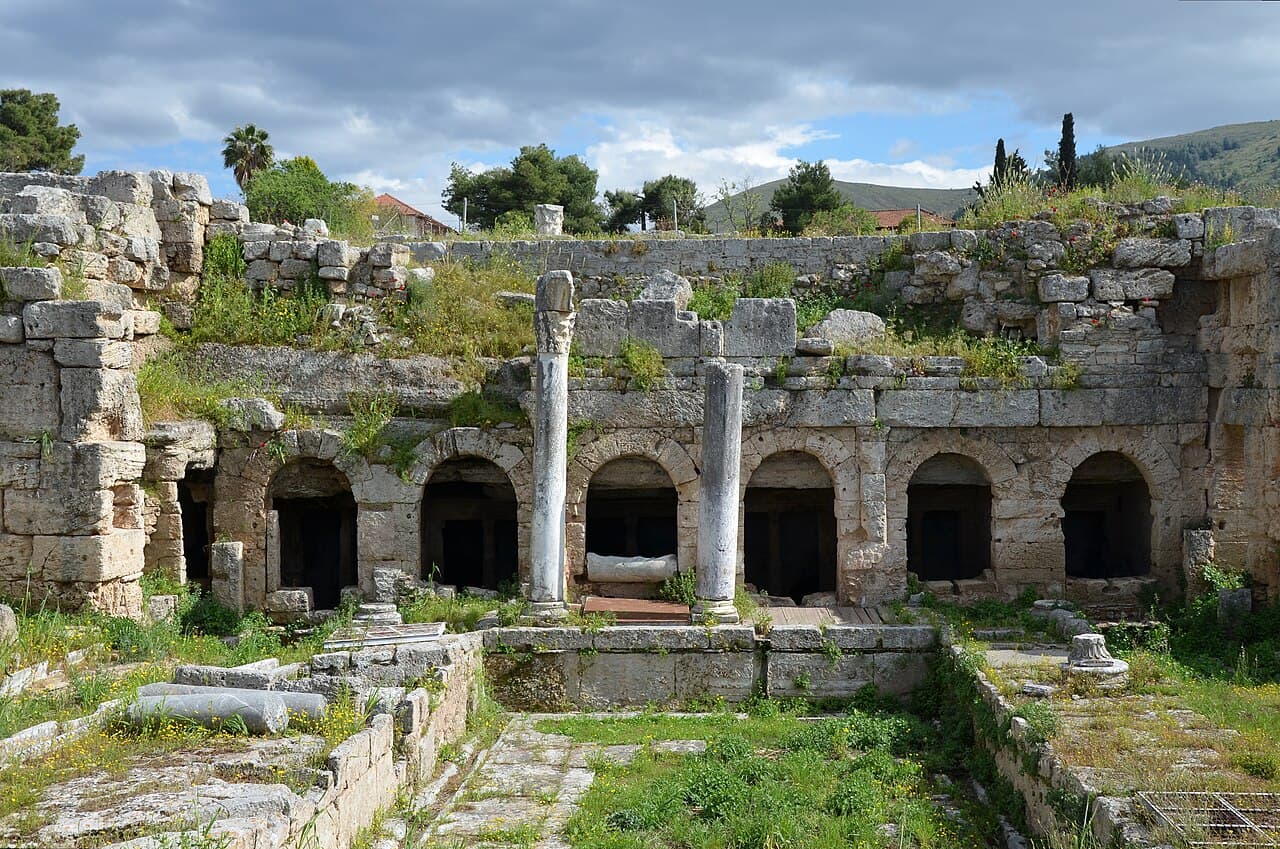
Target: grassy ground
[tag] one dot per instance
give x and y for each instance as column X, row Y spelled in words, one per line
column 772, row 780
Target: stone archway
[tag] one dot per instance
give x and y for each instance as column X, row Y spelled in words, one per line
column 312, row 515
column 469, row 525
column 789, row 544
column 1106, row 522
column 948, row 519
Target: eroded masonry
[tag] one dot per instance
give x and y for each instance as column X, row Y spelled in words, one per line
column 1144, row 448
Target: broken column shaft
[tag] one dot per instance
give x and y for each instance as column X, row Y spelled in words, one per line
column 718, row 503
column 553, row 326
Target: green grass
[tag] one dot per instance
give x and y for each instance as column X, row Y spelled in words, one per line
column 777, row 782
column 460, row 613
column 18, row 255
column 172, row 387
column 984, row 356
column 474, row 409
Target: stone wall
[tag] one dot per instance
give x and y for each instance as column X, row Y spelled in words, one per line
column 569, row 668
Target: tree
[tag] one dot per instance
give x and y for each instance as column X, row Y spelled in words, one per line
column 672, row 195
column 1095, row 169
column 30, row 137
column 535, row 176
column 1004, row 168
column 741, row 203
column 296, row 189
column 845, row 220
column 624, row 210
column 809, row 189
column 1067, row 153
column 247, row 153
column 1001, row 165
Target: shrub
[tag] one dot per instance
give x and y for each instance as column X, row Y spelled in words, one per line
column 172, row 387
column 223, row 257
column 15, row 255
column 228, row 311
column 458, row 314
column 643, row 362
column 715, row 300
column 846, row 220
column 681, row 588
column 371, row 412
column 773, row 281
column 296, row 189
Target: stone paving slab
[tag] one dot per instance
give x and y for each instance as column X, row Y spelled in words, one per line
column 528, row 783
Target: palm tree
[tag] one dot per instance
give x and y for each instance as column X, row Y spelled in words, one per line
column 246, row 152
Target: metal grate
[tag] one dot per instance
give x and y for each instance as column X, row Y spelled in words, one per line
column 1219, row 819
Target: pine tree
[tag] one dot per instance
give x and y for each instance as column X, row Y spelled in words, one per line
column 1067, row 154
column 31, row 138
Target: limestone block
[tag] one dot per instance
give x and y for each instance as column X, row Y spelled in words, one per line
column 1188, row 225
column 1147, row 253
column 333, row 272
column 145, row 322
column 1059, row 287
column 814, row 676
column 315, row 228
column 1071, row 407
column 813, row 346
column 226, row 571
column 92, row 465
column 933, row 265
column 332, row 252
column 387, row 254
column 47, row 200
column 280, row 251
column 190, row 186
column 100, row 404
column 848, row 327
column 255, row 250
column 54, row 229
column 15, row 557
column 729, row 675
column 1110, row 284
column 10, row 329
column 143, row 249
column 1000, row 408
column 761, row 327
column 711, row 338
column 261, row 712
column 29, row 409
column 1154, row 405
column 89, row 559
column 916, row 408
column 296, row 269
column 304, row 250
column 1238, row 259
column 291, row 601
column 832, row 408
column 58, row 511
column 262, row 269
column 229, row 210
column 124, row 186
column 601, row 567
column 612, row 679
column 659, row 323
column 548, row 219
column 73, row 319
column 31, row 284
column 248, row 414
column 667, row 286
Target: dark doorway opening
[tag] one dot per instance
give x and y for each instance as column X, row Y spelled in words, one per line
column 195, row 497
column 1106, row 522
column 317, row 516
column 948, row 519
column 789, row 533
column 631, row 510
column 469, row 526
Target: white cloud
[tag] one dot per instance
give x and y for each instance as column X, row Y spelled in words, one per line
column 901, row 148
column 916, row 174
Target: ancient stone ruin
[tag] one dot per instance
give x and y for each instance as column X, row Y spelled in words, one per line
column 1136, row 455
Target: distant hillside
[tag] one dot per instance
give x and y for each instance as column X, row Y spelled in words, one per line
column 1238, row 156
column 946, row 202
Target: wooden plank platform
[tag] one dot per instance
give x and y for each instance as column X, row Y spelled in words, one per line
column 832, row 616
column 638, row 611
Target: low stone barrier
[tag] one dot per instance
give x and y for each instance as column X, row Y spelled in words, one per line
column 565, row 668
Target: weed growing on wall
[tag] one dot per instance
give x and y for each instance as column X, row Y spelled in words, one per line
column 643, row 363
column 172, row 387
column 474, row 409
column 371, row 412
column 681, row 588
column 715, row 300
column 15, row 254
column 773, row 281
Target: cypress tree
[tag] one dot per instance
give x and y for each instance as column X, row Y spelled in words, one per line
column 1001, row 165
column 1067, row 153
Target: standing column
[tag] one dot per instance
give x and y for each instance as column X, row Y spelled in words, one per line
column 553, row 325
column 718, row 502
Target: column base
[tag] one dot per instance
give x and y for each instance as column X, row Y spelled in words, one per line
column 719, row 611
column 547, row 611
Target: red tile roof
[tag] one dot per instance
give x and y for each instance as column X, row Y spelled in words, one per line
column 403, row 208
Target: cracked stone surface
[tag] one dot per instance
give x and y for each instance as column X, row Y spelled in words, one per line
column 524, row 789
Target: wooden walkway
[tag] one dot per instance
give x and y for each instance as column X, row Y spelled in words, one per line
column 832, row 616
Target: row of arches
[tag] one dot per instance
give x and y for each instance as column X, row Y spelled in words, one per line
column 470, row 515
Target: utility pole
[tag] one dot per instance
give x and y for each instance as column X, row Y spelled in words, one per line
column 919, row 225
column 464, row 215
column 675, row 216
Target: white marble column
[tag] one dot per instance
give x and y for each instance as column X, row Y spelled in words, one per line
column 553, row 325
column 718, row 499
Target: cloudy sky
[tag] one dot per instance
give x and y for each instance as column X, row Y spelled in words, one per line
column 389, row 92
